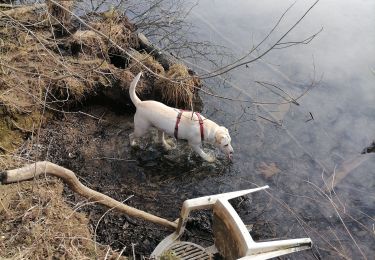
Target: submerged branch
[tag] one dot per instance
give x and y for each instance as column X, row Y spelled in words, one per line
column 237, row 64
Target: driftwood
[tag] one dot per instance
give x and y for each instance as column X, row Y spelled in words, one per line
column 47, row 168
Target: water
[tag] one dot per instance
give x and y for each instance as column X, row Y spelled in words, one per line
column 298, row 158
column 310, row 154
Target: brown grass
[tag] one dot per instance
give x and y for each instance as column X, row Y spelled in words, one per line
column 35, row 69
column 181, row 92
column 39, row 75
column 89, row 43
column 118, row 32
column 36, row 223
column 60, row 15
column 146, row 60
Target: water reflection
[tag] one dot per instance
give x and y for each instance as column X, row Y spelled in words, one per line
column 302, row 158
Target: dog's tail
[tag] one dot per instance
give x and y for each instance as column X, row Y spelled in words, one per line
column 132, row 93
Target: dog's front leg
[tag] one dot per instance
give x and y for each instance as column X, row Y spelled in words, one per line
column 197, row 148
column 132, row 140
column 164, row 142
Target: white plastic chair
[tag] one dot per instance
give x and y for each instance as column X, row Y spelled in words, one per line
column 231, row 237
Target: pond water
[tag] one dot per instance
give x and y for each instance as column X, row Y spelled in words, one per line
column 309, row 154
column 321, row 184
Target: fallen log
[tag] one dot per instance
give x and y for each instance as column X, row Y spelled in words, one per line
column 32, row 171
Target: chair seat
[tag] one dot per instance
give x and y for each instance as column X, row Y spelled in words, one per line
column 187, row 250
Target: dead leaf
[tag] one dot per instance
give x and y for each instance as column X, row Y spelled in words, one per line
column 268, row 170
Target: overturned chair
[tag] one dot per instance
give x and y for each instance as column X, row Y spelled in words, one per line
column 231, row 237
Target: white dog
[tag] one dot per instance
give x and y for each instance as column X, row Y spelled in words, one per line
column 182, row 124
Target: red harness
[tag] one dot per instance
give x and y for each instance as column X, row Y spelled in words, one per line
column 179, row 119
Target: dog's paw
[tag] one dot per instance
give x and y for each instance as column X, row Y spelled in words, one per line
column 132, row 142
column 210, row 158
column 169, row 145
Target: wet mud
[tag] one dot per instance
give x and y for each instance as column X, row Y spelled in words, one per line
column 94, row 144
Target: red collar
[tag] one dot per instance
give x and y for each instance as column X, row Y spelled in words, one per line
column 179, row 119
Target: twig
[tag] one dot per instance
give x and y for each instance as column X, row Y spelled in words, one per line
column 236, row 65
column 133, row 250
column 291, row 99
column 83, row 113
column 114, row 159
column 121, row 252
column 105, row 213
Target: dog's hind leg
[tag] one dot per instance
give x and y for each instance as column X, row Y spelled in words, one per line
column 197, row 148
column 140, row 129
column 164, row 142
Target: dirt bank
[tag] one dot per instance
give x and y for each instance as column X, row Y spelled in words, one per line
column 64, row 97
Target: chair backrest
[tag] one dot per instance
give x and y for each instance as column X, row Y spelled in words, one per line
column 232, row 239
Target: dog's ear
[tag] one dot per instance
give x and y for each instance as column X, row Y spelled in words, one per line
column 219, row 137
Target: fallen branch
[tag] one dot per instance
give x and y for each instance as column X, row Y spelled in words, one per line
column 39, row 168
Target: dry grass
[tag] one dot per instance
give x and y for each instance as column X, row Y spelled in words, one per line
column 60, row 15
column 36, row 223
column 179, row 92
column 39, row 72
column 118, row 32
column 88, row 43
column 146, row 60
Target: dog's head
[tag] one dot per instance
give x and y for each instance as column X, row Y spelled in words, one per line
column 222, row 141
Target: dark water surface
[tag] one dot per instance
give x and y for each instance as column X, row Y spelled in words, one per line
column 321, row 184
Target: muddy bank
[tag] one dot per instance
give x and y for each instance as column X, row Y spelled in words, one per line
column 64, row 97
column 52, row 60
